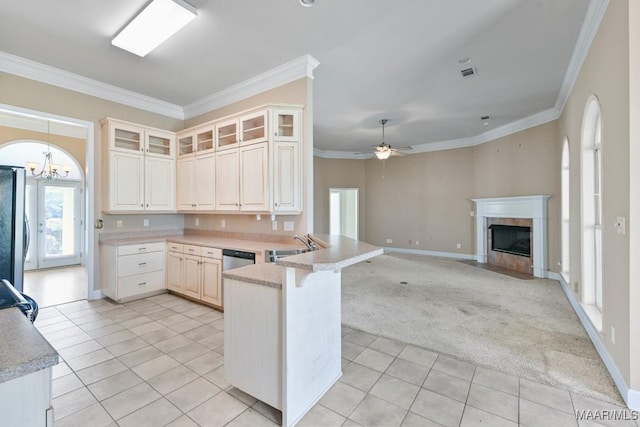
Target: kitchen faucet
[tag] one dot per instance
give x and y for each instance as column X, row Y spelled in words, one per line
column 310, row 244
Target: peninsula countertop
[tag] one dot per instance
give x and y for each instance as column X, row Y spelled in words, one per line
column 336, row 252
column 22, row 350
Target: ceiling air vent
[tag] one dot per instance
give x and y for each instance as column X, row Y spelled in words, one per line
column 469, row 72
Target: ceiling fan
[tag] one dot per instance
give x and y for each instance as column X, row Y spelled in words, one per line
column 383, row 150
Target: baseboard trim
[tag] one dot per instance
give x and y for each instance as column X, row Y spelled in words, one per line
column 630, row 396
column 431, row 253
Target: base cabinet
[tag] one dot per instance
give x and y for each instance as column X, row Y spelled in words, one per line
column 195, row 272
column 130, row 272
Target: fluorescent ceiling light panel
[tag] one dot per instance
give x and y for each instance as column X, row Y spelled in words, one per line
column 156, row 23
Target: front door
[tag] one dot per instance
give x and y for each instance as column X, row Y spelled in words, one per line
column 54, row 212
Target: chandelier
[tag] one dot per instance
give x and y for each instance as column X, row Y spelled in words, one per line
column 49, row 169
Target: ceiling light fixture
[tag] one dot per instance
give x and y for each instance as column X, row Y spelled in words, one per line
column 49, row 170
column 156, row 23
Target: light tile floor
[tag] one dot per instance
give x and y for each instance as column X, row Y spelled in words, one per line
column 159, row 361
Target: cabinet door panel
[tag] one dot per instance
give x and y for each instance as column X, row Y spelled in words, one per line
column 212, row 281
column 175, row 273
column 159, row 184
column 254, row 187
column 254, row 128
column 127, row 181
column 286, row 177
column 192, row 276
column 185, row 184
column 205, row 178
column 125, row 137
column 159, row 144
column 286, row 125
column 227, row 180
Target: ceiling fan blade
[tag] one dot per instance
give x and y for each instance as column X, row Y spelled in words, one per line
column 397, row 153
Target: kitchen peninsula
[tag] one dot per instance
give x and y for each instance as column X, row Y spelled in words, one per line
column 283, row 325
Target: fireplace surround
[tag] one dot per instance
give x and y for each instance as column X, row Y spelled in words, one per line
column 528, row 207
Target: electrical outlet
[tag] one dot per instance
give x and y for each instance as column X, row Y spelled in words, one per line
column 288, row 226
column 410, row 242
column 389, row 241
column 613, row 335
column 197, row 222
column 458, row 246
column 620, row 225
column 417, row 242
column 472, row 213
column 223, row 223
column 274, row 225
column 145, row 222
column 119, row 223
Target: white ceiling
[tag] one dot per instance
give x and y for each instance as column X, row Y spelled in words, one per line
column 378, row 59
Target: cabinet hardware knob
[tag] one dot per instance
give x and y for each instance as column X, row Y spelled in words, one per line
column 142, row 205
column 147, row 204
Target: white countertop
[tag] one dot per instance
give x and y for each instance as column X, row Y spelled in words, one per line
column 22, row 349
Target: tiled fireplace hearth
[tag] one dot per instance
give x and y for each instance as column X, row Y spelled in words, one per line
column 518, row 214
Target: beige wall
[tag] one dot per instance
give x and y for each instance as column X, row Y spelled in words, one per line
column 605, row 74
column 76, row 147
column 427, row 197
column 297, row 92
column 524, row 163
column 335, row 173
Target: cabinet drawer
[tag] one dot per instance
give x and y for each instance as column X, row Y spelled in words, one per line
column 141, row 248
column 192, row 250
column 140, row 263
column 212, row 253
column 140, row 283
column 175, row 247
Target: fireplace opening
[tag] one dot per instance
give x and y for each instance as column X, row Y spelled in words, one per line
column 511, row 239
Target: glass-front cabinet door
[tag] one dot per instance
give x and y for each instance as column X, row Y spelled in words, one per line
column 227, row 134
column 159, row 144
column 254, row 128
column 126, row 138
column 286, row 125
column 204, row 140
column 185, row 144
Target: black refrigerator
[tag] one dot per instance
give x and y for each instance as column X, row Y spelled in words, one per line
column 13, row 233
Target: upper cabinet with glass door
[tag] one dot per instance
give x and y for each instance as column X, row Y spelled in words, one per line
column 196, row 141
column 248, row 129
column 286, row 125
column 129, row 138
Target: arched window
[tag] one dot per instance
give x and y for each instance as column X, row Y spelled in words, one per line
column 565, row 191
column 591, row 162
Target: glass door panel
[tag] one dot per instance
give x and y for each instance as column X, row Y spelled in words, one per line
column 59, row 224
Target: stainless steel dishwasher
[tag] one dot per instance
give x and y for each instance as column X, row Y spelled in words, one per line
column 233, row 259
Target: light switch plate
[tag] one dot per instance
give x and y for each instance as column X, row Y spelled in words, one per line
column 620, row 225
column 274, row 225
column 145, row 222
column 288, row 226
column 119, row 223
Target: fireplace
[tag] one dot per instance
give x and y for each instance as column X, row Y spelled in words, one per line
column 519, row 212
column 511, row 239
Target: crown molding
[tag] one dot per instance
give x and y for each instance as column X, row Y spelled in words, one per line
column 595, row 12
column 54, row 76
column 511, row 128
column 293, row 70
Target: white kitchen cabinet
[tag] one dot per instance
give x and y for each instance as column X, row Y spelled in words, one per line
column 286, row 125
column 227, row 183
column 247, row 129
column 285, row 177
column 199, row 140
column 130, row 272
column 195, row 272
column 242, row 180
column 195, row 178
column 141, row 168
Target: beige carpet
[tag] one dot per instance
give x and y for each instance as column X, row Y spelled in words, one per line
column 521, row 327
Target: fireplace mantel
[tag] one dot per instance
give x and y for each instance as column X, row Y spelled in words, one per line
column 534, row 207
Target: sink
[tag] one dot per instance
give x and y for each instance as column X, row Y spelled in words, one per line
column 272, row 255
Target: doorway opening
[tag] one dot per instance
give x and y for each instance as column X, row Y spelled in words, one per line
column 343, row 212
column 60, row 262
